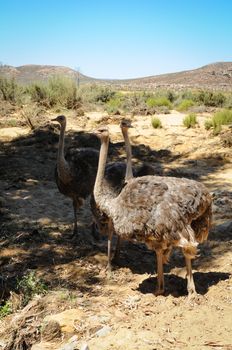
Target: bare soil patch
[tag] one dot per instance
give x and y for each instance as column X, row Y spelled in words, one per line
column 82, row 305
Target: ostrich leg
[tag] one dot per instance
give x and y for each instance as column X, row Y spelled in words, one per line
column 190, row 280
column 160, row 272
column 117, row 249
column 110, row 235
column 75, row 208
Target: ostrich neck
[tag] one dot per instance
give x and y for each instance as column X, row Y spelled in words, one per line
column 62, row 165
column 129, row 172
column 98, row 187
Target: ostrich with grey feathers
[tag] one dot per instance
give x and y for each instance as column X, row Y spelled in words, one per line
column 162, row 212
column 75, row 172
column 115, row 177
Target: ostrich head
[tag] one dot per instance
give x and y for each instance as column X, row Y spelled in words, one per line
column 125, row 124
column 102, row 133
column 61, row 119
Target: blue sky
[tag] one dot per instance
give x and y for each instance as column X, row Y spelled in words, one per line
column 116, row 39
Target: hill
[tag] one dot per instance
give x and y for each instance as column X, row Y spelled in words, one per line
column 32, row 72
column 216, row 76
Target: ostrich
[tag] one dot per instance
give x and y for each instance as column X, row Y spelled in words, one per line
column 75, row 172
column 115, row 177
column 162, row 212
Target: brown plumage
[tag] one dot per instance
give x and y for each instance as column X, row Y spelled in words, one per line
column 162, row 212
column 115, row 177
column 75, row 172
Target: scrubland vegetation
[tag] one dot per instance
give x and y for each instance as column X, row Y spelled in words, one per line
column 60, row 93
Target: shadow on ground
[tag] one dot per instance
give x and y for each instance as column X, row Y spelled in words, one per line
column 27, row 244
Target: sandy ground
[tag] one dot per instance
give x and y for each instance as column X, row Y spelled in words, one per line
column 120, row 312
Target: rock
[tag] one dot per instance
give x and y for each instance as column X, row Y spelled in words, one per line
column 72, row 344
column 103, row 331
column 50, row 330
column 84, row 347
column 67, row 319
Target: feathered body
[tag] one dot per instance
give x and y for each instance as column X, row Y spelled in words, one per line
column 113, row 183
column 79, row 181
column 160, row 211
column 115, row 177
column 75, row 171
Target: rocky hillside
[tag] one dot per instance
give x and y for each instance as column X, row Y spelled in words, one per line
column 32, row 72
column 216, row 76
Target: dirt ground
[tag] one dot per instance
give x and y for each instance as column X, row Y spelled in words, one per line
column 82, row 305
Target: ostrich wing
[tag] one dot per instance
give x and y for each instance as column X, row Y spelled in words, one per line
column 83, row 164
column 161, row 207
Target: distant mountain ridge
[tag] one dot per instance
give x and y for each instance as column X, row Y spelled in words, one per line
column 217, row 76
column 32, row 72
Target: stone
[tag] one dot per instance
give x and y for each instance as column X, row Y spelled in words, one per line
column 103, row 331
column 67, row 319
column 50, row 330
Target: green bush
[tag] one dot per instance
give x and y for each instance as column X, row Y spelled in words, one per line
column 185, row 105
column 135, row 104
column 5, row 309
column 156, row 123
column 58, row 91
column 158, row 102
column 223, row 117
column 217, row 129
column 31, row 285
column 208, row 124
column 228, row 102
column 40, row 94
column 190, row 120
column 113, row 105
column 10, row 91
column 211, row 99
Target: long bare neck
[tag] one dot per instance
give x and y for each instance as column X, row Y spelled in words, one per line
column 129, row 172
column 101, row 169
column 60, row 155
column 62, row 165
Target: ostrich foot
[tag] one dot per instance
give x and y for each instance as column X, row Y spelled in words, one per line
column 159, row 291
column 194, row 298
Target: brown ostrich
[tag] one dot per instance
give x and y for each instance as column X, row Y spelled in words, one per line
column 115, row 177
column 75, row 172
column 162, row 212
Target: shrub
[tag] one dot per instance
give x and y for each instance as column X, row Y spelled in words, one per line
column 39, row 93
column 31, row 285
column 217, row 129
column 211, row 99
column 5, row 309
column 113, row 105
column 63, row 91
column 58, row 91
column 228, row 102
column 208, row 124
column 223, row 117
column 158, row 102
column 171, row 96
column 156, row 123
column 135, row 104
column 185, row 105
column 190, row 120
column 10, row 91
